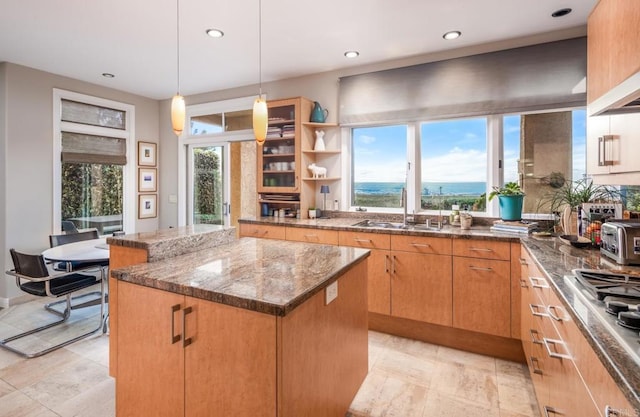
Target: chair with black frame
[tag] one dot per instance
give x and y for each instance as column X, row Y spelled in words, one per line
column 63, row 239
column 69, row 227
column 33, row 277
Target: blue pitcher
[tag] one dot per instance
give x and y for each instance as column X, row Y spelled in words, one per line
column 318, row 114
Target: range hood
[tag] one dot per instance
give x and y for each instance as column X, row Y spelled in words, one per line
column 621, row 99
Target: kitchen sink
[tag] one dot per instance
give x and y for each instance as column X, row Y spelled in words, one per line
column 380, row 224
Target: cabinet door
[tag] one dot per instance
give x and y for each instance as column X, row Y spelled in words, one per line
column 421, row 244
column 627, row 151
column 481, row 295
column 485, row 249
column 597, row 126
column 150, row 380
column 230, row 366
column 312, row 235
column 421, row 287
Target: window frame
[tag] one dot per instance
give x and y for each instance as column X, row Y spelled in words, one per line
column 128, row 170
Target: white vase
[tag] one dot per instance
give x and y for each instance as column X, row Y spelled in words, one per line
column 312, row 214
column 319, row 145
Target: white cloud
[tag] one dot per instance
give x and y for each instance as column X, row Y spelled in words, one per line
column 365, row 139
column 459, row 165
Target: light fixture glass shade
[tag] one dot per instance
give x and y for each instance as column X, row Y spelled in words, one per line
column 260, row 119
column 177, row 114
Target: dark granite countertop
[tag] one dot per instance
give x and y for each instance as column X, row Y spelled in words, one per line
column 268, row 276
column 554, row 258
column 168, row 243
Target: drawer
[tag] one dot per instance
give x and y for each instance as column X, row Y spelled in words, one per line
column 421, row 244
column 485, row 249
column 312, row 235
column 262, row 231
column 364, row 240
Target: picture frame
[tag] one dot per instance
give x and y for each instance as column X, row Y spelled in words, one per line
column 147, row 206
column 147, row 179
column 147, row 154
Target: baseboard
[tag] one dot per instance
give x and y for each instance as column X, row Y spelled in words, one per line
column 20, row 299
column 495, row 346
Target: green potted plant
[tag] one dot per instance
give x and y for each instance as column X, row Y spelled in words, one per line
column 312, row 212
column 510, row 199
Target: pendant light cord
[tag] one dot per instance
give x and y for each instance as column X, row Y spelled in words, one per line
column 260, row 45
column 178, row 44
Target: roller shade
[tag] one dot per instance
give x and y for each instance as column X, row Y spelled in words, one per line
column 90, row 149
column 539, row 77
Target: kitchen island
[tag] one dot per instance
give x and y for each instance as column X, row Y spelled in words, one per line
column 248, row 328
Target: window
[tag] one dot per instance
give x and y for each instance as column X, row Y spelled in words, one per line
column 457, row 161
column 91, row 148
column 454, row 164
column 379, row 166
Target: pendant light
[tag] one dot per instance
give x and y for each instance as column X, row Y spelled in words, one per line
column 177, row 103
column 260, row 116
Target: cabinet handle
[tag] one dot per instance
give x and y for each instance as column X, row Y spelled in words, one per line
column 187, row 341
column 311, row 237
column 477, row 268
column 556, row 355
column 523, row 283
column 536, row 369
column 548, row 410
column 481, row 249
column 362, row 240
column 611, row 412
column 523, row 261
column 534, row 333
column 538, row 282
column 604, row 152
column 553, row 316
column 386, row 264
column 420, row 245
column 175, row 338
column 393, row 265
column 534, row 310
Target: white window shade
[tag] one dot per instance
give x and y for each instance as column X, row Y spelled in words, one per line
column 539, row 77
column 91, row 149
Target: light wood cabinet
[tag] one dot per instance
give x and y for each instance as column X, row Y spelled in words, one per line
column 379, row 267
column 170, row 371
column 312, row 235
column 328, row 158
column 621, row 148
column 485, row 249
column 612, row 45
column 481, row 295
column 262, row 231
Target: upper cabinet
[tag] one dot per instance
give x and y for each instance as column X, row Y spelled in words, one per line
column 613, row 56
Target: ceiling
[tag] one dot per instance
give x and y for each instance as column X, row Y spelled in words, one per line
column 136, row 39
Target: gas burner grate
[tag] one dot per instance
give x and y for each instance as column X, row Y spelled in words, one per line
column 602, row 284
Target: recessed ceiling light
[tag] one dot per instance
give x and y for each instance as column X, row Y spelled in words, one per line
column 454, row 34
column 561, row 12
column 108, row 75
column 215, row 33
column 352, row 54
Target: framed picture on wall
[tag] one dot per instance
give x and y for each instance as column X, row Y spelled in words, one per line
column 147, row 154
column 147, row 206
column 147, row 179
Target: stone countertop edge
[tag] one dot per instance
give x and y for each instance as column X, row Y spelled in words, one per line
column 266, row 276
column 176, row 241
column 555, row 260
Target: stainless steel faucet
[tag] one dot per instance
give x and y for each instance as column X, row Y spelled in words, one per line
column 403, row 203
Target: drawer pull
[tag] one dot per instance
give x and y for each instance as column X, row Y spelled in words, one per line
column 421, row 245
column 535, row 310
column 553, row 354
column 534, row 339
column 477, row 268
column 523, row 261
column 548, row 410
column 538, row 282
column 311, row 236
column 534, row 366
column 523, row 283
column 175, row 338
column 386, row 264
column 481, row 249
column 362, row 240
column 553, row 316
column 611, row 412
column 393, row 265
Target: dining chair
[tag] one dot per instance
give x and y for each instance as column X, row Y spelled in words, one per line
column 33, row 277
column 63, row 239
column 69, row 227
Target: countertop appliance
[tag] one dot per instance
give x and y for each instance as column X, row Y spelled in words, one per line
column 614, row 298
column 621, row 241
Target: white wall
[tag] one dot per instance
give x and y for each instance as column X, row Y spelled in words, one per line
column 28, row 161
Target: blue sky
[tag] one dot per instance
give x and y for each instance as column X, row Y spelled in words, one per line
column 452, row 151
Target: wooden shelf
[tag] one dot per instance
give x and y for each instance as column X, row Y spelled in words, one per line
column 272, row 155
column 327, row 152
column 314, row 124
column 321, row 179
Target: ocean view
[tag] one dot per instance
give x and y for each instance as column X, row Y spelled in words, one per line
column 428, row 188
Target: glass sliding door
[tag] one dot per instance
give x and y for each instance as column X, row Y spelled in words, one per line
column 208, row 184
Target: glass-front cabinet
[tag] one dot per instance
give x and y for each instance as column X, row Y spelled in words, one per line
column 279, row 161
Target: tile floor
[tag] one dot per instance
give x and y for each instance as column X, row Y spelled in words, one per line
column 407, row 378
